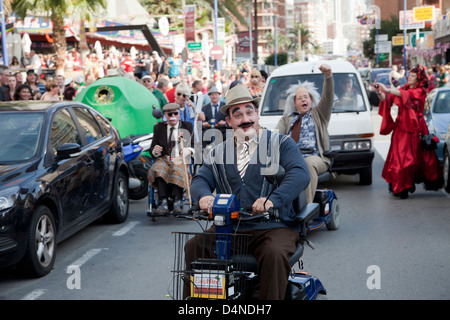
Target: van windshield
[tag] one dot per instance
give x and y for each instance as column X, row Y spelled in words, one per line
column 347, row 92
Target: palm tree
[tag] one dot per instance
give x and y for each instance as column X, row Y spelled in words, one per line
column 58, row 10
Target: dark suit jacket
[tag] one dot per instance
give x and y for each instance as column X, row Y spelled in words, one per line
column 161, row 138
column 208, row 112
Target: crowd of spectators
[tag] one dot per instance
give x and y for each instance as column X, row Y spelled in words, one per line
column 32, row 77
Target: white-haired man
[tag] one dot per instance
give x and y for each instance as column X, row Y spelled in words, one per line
column 306, row 120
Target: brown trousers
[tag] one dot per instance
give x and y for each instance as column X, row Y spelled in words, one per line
column 272, row 249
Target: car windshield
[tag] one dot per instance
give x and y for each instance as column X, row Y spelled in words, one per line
column 347, row 92
column 19, row 136
column 442, row 103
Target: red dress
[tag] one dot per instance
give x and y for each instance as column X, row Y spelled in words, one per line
column 407, row 163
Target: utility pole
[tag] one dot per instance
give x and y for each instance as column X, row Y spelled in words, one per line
column 255, row 55
column 3, row 29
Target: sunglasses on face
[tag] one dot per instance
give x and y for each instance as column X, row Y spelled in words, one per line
column 170, row 114
column 181, row 94
column 255, row 76
column 146, row 81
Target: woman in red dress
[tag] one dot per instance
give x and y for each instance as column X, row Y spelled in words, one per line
column 407, row 163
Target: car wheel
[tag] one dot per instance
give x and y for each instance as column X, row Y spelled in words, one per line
column 41, row 247
column 365, row 176
column 446, row 171
column 118, row 212
column 141, row 191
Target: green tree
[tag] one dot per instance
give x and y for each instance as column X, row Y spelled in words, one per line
column 57, row 10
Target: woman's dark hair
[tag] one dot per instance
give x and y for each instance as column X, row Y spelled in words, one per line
column 20, row 88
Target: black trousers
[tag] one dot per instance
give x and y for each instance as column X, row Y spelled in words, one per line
column 166, row 190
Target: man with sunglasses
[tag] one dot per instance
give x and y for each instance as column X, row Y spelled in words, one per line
column 147, row 81
column 167, row 173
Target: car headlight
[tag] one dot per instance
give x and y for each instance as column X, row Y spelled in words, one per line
column 220, row 220
column 357, row 145
column 8, row 197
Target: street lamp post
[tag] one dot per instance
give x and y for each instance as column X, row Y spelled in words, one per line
column 3, row 29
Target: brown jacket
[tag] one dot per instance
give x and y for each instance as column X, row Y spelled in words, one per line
column 320, row 114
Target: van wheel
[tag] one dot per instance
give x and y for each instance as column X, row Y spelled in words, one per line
column 365, row 176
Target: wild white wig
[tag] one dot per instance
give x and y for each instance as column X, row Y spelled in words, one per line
column 292, row 90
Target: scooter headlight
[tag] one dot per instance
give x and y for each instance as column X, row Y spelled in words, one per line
column 220, row 220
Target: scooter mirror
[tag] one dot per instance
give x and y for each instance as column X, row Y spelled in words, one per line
column 157, row 113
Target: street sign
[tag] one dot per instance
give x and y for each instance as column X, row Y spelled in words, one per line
column 398, row 40
column 194, row 46
column 216, row 52
column 423, row 13
column 409, row 22
column 382, row 47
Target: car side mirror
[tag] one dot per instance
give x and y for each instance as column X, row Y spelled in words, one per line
column 66, row 150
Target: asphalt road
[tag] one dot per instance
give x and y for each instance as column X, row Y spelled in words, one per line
column 385, row 248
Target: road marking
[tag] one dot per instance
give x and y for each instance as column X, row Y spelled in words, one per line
column 34, row 294
column 88, row 255
column 130, row 225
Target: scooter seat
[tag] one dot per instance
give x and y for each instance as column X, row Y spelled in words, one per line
column 248, row 261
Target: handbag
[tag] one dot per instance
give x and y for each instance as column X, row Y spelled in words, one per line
column 429, row 142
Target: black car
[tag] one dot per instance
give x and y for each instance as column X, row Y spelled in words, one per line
column 61, row 168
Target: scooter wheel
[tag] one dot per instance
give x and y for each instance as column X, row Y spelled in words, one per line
column 335, row 218
column 141, row 191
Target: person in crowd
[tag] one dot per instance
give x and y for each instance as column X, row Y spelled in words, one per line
column 52, row 93
column 255, row 86
column 431, row 79
column 395, row 76
column 407, row 163
column 161, row 88
column 19, row 78
column 37, row 88
column 442, row 79
column 305, row 119
column 60, row 82
column 348, row 97
column 170, row 94
column 214, row 119
column 147, row 81
column 197, row 87
column 167, row 174
column 128, row 65
column 155, row 61
column 23, row 92
column 175, row 65
column 272, row 242
column 11, row 88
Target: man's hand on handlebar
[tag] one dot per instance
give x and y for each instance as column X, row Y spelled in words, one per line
column 206, row 203
column 261, row 206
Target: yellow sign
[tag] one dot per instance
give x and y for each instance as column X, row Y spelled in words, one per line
column 398, row 40
column 423, row 13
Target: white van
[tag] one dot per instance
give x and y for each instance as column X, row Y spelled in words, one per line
column 350, row 129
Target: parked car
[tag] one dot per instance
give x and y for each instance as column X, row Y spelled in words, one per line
column 373, row 99
column 437, row 116
column 384, row 79
column 446, row 161
column 61, row 168
column 350, row 127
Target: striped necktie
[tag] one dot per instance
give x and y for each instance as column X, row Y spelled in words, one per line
column 243, row 159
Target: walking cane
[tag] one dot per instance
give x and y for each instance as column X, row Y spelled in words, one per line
column 186, row 176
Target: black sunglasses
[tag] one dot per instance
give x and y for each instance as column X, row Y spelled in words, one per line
column 172, row 113
column 179, row 94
